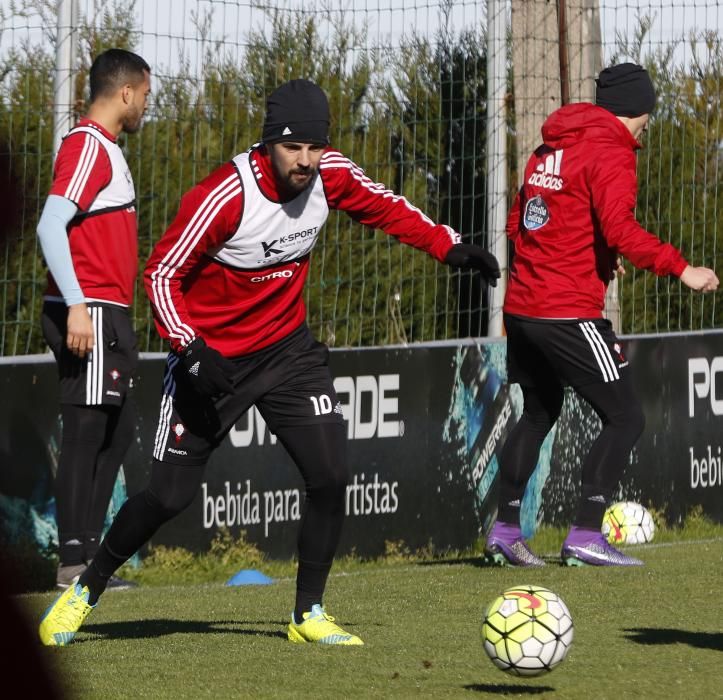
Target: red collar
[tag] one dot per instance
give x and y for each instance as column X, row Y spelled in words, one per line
column 89, row 122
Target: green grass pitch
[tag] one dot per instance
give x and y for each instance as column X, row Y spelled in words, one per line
column 651, row 632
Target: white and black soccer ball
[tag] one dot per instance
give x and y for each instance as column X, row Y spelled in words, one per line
column 527, row 631
column 627, row 522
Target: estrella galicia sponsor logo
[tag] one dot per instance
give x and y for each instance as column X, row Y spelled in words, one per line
column 536, row 213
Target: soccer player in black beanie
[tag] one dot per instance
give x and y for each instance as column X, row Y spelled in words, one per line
column 226, row 282
column 297, row 111
column 572, row 218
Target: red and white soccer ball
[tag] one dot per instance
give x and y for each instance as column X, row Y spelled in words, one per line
column 527, row 631
column 628, row 523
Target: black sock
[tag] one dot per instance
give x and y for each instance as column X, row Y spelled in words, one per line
column 95, row 582
column 593, row 502
column 310, row 584
column 96, row 576
column 508, row 508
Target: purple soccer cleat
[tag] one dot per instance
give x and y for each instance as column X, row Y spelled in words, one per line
column 584, row 546
column 506, row 547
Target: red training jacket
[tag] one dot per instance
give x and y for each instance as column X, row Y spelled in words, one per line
column 238, row 310
column 574, row 215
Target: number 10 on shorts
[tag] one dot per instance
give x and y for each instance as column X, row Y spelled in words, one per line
column 322, row 404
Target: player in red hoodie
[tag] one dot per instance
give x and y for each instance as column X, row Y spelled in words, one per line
column 226, row 282
column 572, row 218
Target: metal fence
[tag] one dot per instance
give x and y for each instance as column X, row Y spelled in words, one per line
column 407, row 82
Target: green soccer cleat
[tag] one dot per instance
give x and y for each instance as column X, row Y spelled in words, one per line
column 65, row 616
column 320, row 628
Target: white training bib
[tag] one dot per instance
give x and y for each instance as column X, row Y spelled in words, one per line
column 120, row 192
column 272, row 233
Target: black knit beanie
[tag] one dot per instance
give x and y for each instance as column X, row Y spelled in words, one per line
column 625, row 90
column 297, row 111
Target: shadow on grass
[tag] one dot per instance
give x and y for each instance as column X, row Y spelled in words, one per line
column 478, row 561
column 652, row 635
column 145, row 629
column 509, row 688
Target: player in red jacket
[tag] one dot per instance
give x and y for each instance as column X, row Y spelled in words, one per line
column 88, row 233
column 572, row 218
column 226, row 284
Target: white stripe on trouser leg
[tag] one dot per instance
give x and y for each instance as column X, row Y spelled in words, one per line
column 164, row 418
column 99, row 346
column 595, row 352
column 96, row 355
column 90, row 365
column 169, row 384
column 604, row 351
column 88, row 371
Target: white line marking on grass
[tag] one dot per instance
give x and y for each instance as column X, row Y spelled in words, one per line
column 464, row 560
column 656, row 545
column 660, row 545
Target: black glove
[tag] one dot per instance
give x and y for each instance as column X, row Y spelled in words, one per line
column 468, row 256
column 208, row 370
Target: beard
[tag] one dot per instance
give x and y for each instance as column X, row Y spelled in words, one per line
column 132, row 120
column 298, row 180
column 293, row 181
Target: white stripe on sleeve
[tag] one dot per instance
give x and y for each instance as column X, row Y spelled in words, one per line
column 83, row 169
column 179, row 252
column 338, row 161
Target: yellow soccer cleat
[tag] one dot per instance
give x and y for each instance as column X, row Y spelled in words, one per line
column 65, row 616
column 320, row 628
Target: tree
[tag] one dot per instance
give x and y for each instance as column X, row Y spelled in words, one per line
column 679, row 197
column 412, row 117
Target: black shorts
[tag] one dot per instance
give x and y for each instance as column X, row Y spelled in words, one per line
column 572, row 352
column 289, row 382
column 105, row 375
